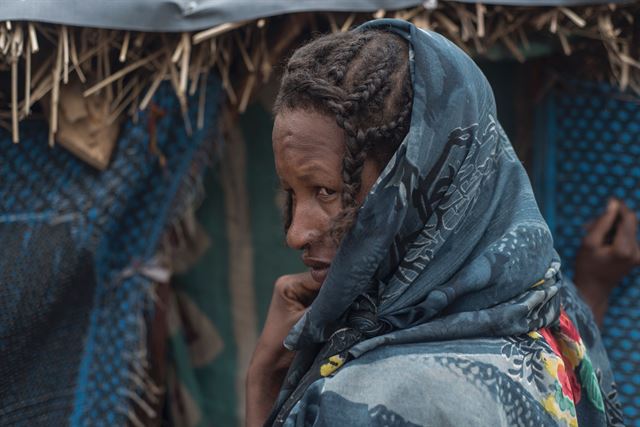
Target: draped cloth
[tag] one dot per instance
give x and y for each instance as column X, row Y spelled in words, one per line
column 447, row 293
column 80, row 260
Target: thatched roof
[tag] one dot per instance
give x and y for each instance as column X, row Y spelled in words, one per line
column 127, row 67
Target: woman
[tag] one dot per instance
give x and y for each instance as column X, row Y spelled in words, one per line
column 433, row 295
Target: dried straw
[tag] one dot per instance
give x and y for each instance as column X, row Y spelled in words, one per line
column 243, row 53
column 216, row 31
column 121, row 73
column 55, row 96
column 125, row 47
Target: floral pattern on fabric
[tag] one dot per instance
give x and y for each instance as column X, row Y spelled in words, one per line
column 572, row 369
column 333, row 364
column 556, row 361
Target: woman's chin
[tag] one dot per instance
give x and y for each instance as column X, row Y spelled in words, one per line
column 319, row 274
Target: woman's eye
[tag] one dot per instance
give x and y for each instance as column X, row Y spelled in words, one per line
column 325, row 192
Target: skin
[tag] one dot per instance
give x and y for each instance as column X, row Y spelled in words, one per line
column 308, row 149
column 601, row 265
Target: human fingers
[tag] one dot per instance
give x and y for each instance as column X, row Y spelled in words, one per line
column 625, row 243
column 589, row 225
column 596, row 235
column 307, row 288
column 298, row 288
column 632, row 234
column 288, row 303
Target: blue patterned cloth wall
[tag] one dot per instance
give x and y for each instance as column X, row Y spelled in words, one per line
column 592, row 152
column 77, row 255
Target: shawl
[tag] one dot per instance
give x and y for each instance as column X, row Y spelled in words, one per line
column 447, row 293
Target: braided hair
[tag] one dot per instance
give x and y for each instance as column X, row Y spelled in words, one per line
column 362, row 79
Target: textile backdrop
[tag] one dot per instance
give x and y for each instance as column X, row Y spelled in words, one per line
column 588, row 151
column 78, row 265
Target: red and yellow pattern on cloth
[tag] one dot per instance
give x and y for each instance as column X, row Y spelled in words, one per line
column 569, row 364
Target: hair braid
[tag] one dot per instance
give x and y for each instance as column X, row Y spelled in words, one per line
column 376, row 82
column 343, row 57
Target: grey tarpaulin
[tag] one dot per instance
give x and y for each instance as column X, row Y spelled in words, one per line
column 190, row 15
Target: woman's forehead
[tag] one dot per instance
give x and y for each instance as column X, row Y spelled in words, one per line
column 306, row 159
column 307, row 133
column 307, row 145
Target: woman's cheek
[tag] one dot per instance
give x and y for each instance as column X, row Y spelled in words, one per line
column 333, row 207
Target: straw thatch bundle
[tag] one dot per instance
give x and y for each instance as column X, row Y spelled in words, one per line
column 125, row 68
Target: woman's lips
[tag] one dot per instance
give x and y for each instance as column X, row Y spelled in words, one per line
column 319, row 274
column 317, row 267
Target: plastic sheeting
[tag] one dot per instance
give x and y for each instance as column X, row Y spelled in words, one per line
column 191, row 15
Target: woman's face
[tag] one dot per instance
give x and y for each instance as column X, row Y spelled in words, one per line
column 308, row 149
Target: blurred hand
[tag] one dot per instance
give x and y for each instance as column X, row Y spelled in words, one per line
column 608, row 253
column 292, row 295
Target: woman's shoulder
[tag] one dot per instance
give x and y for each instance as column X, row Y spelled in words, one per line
column 462, row 382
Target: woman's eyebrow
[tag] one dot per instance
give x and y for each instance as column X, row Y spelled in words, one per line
column 312, row 173
column 312, row 165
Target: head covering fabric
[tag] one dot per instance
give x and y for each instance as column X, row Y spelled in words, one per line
column 451, row 226
column 449, row 244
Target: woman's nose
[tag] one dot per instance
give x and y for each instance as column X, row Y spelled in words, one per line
column 304, row 228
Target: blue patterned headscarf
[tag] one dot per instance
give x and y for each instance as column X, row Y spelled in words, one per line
column 448, row 245
column 450, row 234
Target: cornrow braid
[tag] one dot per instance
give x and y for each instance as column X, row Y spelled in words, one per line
column 339, row 67
column 362, row 79
column 359, row 141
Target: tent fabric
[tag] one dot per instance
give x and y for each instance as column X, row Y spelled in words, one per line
column 591, row 144
column 79, row 264
column 193, row 15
